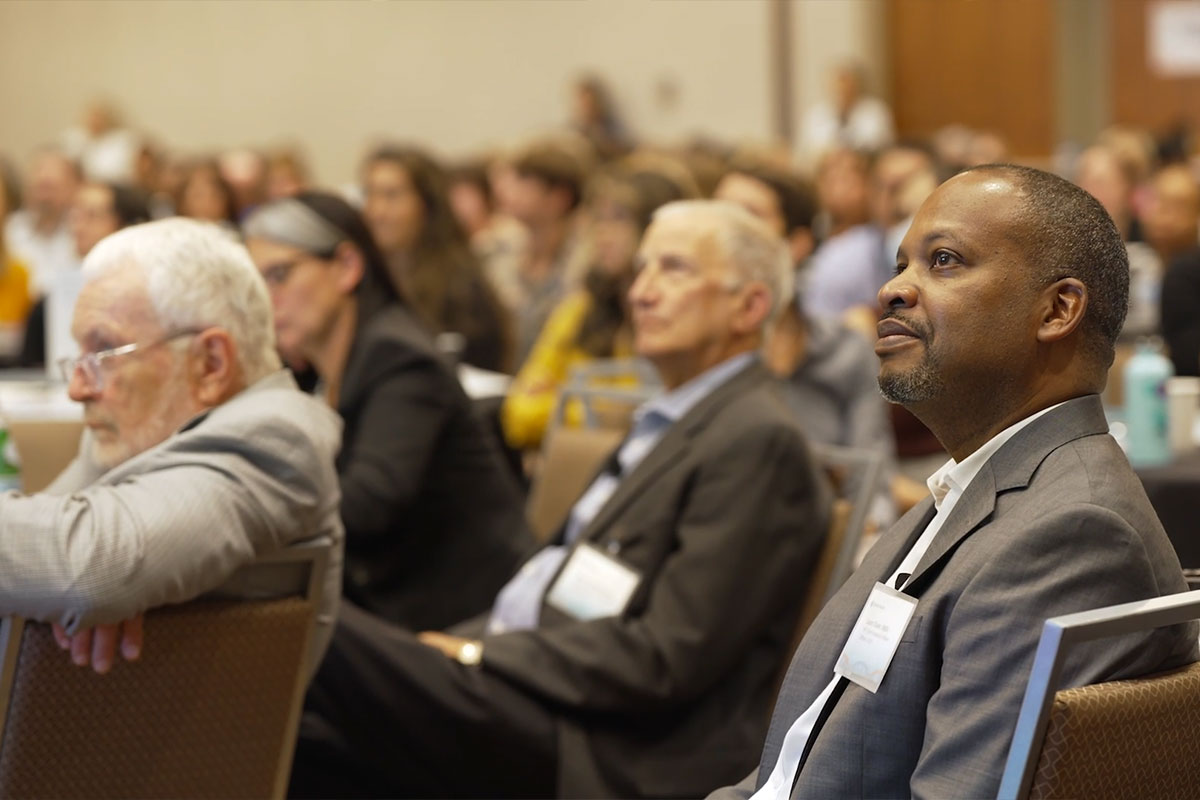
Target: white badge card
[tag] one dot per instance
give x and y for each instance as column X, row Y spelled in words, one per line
column 875, row 637
column 592, row 585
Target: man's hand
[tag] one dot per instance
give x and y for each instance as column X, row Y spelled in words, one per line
column 449, row 645
column 98, row 646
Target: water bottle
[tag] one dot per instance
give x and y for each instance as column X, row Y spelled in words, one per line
column 1146, row 375
column 10, row 462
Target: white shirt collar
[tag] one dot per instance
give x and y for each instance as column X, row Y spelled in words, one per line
column 955, row 477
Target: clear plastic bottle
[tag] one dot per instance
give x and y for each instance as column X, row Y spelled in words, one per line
column 1146, row 375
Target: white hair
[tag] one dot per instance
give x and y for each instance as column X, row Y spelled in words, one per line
column 197, row 277
column 754, row 252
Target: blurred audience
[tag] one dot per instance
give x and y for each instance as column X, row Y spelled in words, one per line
column 434, row 522
column 287, row 173
column 846, row 271
column 593, row 321
column 594, row 115
column 39, row 234
column 104, row 149
column 245, row 172
column 429, row 259
column 849, row 118
column 15, row 297
column 542, row 192
column 1171, row 217
column 97, row 210
column 205, row 195
column 497, row 240
column 1102, row 173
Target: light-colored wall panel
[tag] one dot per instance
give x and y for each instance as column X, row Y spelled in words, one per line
column 454, row 75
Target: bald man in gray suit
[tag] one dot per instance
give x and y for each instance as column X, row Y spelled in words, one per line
column 998, row 333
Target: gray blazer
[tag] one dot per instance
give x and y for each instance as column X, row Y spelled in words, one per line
column 1055, row 522
column 248, row 477
column 723, row 519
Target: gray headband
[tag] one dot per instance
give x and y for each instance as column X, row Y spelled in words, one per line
column 291, row 222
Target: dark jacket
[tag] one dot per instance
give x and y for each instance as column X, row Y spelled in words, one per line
column 434, row 520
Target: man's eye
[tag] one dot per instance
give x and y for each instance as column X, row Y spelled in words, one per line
column 900, row 268
column 943, row 259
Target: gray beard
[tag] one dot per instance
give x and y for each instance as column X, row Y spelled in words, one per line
column 919, row 384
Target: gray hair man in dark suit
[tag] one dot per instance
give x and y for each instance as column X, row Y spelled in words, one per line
column 635, row 655
column 997, row 332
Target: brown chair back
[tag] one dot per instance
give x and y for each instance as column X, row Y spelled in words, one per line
column 1131, row 738
column 571, row 457
column 210, row 710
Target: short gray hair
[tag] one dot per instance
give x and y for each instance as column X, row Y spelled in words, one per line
column 754, row 251
column 197, row 277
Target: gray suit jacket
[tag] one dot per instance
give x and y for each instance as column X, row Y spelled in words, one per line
column 1055, row 522
column 723, row 519
column 248, row 477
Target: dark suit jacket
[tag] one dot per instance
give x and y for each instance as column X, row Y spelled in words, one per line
column 723, row 519
column 434, row 520
column 1055, row 522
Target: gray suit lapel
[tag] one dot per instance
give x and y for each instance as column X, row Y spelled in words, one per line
column 1012, row 467
column 671, row 448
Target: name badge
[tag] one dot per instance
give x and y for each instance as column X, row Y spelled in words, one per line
column 592, row 585
column 875, row 637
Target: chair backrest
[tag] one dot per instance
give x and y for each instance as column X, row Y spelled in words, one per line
column 570, row 459
column 210, row 710
column 1128, row 738
column 608, row 391
column 46, row 447
column 858, row 475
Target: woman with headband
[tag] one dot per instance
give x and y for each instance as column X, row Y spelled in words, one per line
column 434, row 521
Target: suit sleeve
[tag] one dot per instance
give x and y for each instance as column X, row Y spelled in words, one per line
column 745, row 536
column 991, row 636
column 395, row 437
column 203, row 506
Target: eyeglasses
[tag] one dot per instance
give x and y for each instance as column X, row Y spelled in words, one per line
column 92, row 365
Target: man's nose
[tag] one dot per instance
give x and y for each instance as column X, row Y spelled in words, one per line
column 79, row 388
column 641, row 291
column 897, row 293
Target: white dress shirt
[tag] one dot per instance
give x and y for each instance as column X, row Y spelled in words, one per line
column 947, row 486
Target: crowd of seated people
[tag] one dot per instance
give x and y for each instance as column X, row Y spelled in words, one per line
column 753, row 289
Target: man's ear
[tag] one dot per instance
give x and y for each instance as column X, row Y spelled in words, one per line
column 1065, row 302
column 214, row 369
column 754, row 308
column 348, row 261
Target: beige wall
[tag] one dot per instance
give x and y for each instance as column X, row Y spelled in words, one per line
column 455, row 75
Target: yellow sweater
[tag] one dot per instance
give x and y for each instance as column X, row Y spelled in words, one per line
column 534, row 392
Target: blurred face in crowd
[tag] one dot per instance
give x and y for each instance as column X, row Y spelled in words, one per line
column 1101, row 176
column 92, row 216
column 615, row 234
column 842, row 188
column 306, row 293
column 470, row 207
column 755, row 196
column 143, row 396
column 394, row 209
column 890, row 175
column 1172, row 215
column 689, row 305
column 847, row 88
column 52, row 183
column 960, row 313
column 533, row 201
column 204, row 198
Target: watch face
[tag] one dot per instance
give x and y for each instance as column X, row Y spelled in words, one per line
column 470, row 653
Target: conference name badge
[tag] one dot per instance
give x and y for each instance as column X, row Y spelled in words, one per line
column 875, row 637
column 592, row 585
